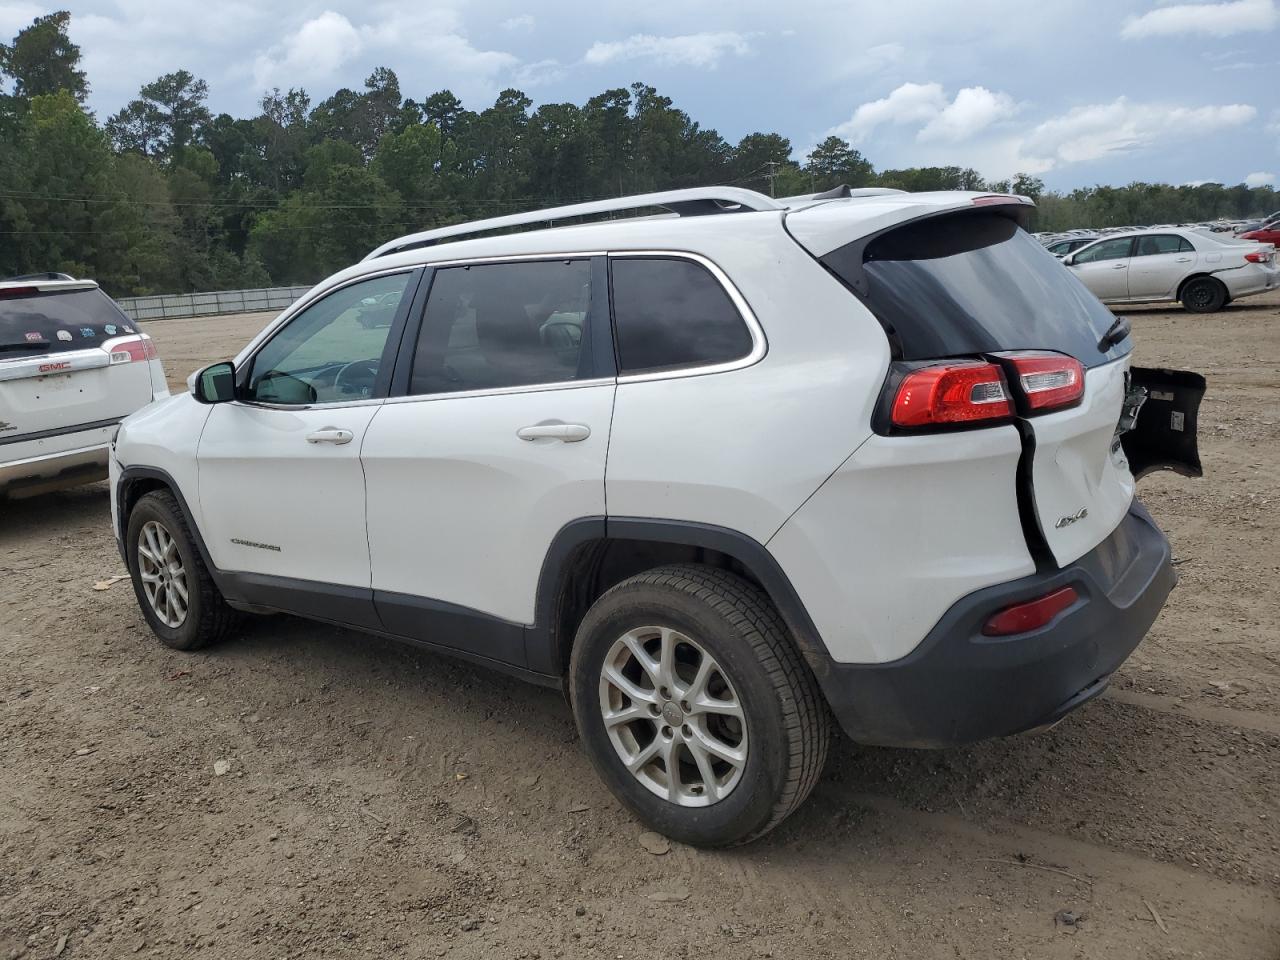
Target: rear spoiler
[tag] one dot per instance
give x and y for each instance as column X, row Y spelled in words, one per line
column 825, row 230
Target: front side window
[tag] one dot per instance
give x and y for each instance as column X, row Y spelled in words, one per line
column 331, row 351
column 672, row 313
column 1162, row 243
column 497, row 325
column 1106, row 250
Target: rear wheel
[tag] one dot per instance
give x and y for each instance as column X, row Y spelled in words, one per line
column 1204, row 295
column 695, row 707
column 178, row 598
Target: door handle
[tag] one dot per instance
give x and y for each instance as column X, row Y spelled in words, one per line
column 1120, row 266
column 1184, row 259
column 568, row 432
column 330, row 435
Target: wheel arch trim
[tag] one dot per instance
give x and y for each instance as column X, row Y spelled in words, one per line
column 546, row 646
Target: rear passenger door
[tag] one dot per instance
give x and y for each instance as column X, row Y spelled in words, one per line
column 494, row 439
column 1159, row 263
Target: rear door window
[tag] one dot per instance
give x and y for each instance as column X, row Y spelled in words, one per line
column 498, row 325
column 973, row 283
column 33, row 322
column 1161, row 243
column 672, row 313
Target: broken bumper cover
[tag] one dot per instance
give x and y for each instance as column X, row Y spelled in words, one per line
column 959, row 686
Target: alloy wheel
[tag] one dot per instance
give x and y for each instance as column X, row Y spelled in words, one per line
column 673, row 716
column 164, row 578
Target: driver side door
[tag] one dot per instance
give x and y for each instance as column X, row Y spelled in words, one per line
column 281, row 489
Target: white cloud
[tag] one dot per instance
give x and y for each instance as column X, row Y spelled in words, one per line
column 973, row 110
column 523, row 22
column 926, row 105
column 320, row 46
column 911, row 103
column 1260, row 179
column 1200, row 19
column 539, row 73
column 1099, row 130
column 704, row 50
column 323, row 44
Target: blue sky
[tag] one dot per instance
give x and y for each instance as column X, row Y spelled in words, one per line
column 1078, row 93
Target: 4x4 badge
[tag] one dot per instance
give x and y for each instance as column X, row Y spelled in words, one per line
column 1071, row 518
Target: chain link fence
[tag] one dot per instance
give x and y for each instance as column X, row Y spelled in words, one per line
column 172, row 305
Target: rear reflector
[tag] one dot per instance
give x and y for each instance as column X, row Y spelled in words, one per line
column 1032, row 615
column 1048, row 380
column 136, row 348
column 951, row 393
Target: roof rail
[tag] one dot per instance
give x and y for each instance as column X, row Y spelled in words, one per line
column 695, row 201
column 47, row 275
column 842, row 192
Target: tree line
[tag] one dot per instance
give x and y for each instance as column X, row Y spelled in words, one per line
column 165, row 196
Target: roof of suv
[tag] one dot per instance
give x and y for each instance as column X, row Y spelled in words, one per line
column 820, row 222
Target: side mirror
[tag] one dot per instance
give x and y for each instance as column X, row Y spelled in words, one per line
column 215, row 383
column 1069, row 259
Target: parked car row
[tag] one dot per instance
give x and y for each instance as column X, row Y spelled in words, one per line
column 1203, row 271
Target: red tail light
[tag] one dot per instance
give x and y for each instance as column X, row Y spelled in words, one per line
column 1032, row 615
column 951, row 393
column 1048, row 380
column 1259, row 257
column 19, row 292
column 134, row 349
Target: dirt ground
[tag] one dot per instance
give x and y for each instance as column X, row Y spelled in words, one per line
column 377, row 801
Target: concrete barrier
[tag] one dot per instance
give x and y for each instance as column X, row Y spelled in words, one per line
column 167, row 306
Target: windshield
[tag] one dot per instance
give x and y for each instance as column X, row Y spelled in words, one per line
column 58, row 321
column 975, row 283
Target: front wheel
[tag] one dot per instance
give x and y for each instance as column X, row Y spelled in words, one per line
column 695, row 707
column 175, row 592
column 1204, row 295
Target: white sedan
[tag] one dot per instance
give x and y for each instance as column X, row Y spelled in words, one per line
column 1203, row 271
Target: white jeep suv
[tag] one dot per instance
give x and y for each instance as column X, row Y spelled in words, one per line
column 724, row 474
column 72, row 364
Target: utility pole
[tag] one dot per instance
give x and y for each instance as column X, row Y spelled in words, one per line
column 771, row 176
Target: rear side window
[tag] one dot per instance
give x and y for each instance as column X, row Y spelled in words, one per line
column 672, row 313
column 55, row 322
column 1162, row 243
column 974, row 283
column 497, row 325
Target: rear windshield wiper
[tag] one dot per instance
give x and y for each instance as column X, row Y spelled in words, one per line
column 1115, row 333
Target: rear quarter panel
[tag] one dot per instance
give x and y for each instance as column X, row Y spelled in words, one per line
column 742, row 449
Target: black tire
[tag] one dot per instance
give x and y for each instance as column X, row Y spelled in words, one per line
column 208, row 617
column 788, row 725
column 1204, row 295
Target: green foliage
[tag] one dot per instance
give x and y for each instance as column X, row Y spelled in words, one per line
column 43, row 60
column 167, row 198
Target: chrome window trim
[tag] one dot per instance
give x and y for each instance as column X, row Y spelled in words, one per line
column 759, row 343
column 508, row 258
column 503, row 391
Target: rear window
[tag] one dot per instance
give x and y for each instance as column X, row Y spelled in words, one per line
column 673, row 313
column 58, row 321
column 976, row 283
